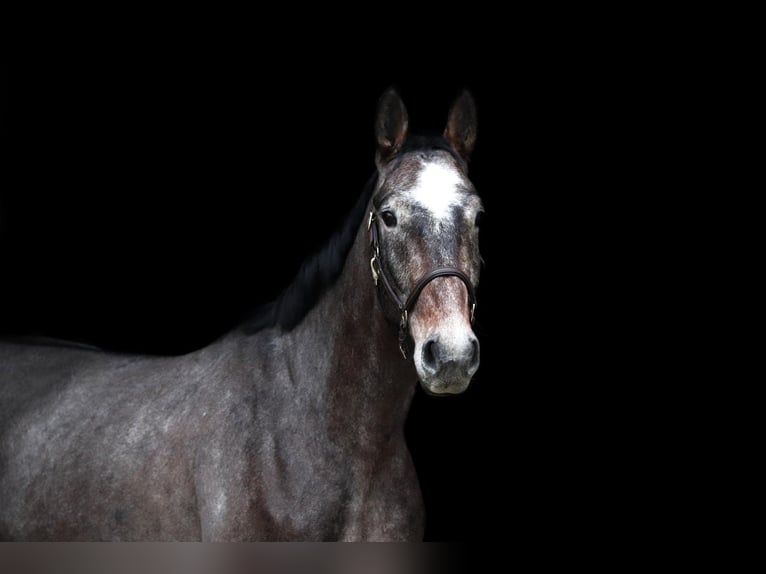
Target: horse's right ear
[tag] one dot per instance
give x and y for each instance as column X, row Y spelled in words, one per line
column 390, row 125
column 460, row 132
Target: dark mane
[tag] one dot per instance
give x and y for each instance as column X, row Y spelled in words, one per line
column 315, row 276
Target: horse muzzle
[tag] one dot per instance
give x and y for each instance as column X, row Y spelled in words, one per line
column 446, row 365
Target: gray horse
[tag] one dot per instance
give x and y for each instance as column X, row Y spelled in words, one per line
column 289, row 427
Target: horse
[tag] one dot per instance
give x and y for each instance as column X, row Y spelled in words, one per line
column 290, row 425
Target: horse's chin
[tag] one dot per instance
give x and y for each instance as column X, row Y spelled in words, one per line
column 441, row 388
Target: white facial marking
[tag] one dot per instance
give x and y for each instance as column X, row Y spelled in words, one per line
column 437, row 188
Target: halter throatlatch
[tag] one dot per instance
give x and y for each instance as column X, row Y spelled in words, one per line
column 406, row 306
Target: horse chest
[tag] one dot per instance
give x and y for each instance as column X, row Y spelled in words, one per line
column 298, row 490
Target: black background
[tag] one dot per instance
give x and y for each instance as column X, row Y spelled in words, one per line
column 160, row 186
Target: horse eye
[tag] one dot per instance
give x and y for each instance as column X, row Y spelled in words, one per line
column 388, row 218
column 479, row 217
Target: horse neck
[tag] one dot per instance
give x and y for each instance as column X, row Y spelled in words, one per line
column 368, row 384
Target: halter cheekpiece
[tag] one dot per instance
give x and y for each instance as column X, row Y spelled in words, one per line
column 406, row 306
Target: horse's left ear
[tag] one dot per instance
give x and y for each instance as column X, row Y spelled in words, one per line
column 390, row 125
column 460, row 132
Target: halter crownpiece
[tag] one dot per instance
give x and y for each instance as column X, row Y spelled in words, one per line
column 406, row 306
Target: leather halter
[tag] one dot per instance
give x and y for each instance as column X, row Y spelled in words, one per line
column 406, row 306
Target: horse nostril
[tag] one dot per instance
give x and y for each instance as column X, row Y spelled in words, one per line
column 439, row 358
column 429, row 355
column 474, row 361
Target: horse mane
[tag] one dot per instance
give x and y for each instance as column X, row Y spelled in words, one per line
column 315, row 276
column 319, row 271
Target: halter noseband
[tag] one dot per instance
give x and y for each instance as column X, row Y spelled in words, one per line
column 406, row 306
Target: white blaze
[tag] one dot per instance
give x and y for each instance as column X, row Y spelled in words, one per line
column 437, row 188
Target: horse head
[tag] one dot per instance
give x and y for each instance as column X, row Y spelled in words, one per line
column 425, row 240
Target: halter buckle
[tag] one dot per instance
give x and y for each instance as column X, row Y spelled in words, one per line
column 374, row 272
column 403, row 332
column 473, row 308
column 369, row 221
